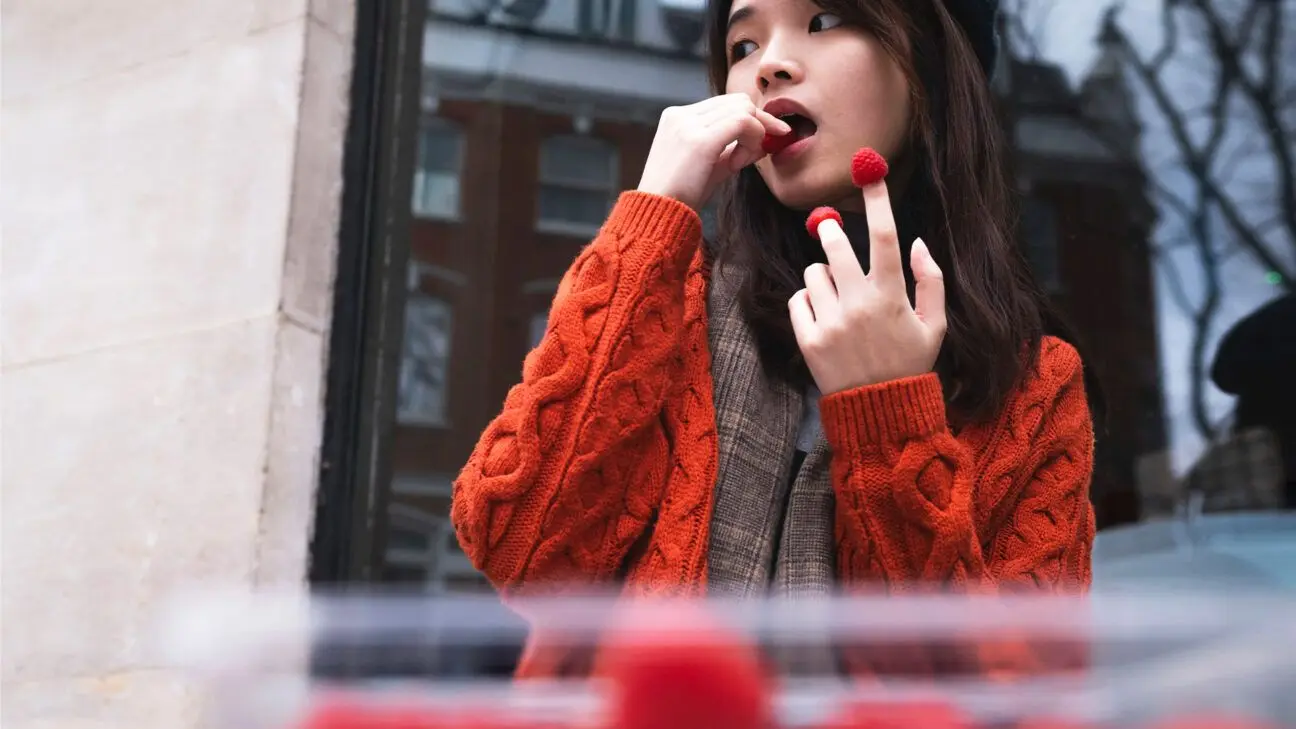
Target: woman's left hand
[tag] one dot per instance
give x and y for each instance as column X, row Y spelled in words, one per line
column 859, row 329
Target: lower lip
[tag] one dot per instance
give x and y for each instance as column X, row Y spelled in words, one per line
column 793, row 149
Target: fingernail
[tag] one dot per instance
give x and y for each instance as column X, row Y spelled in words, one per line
column 920, row 246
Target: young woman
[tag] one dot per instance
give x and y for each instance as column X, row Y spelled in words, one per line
column 775, row 413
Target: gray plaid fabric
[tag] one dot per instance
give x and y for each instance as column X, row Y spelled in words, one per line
column 756, row 423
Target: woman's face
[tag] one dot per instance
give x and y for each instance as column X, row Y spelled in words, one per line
column 844, row 92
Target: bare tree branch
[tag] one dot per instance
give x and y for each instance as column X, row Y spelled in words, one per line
column 1215, row 121
column 1194, row 160
column 1260, row 92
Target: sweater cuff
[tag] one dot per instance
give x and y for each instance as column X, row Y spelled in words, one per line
column 888, row 412
column 639, row 216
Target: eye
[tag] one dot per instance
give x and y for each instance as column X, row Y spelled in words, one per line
column 740, row 50
column 824, row 21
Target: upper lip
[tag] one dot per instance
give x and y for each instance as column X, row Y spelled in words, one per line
column 784, row 106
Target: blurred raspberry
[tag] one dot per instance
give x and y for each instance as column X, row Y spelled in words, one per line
column 707, row 679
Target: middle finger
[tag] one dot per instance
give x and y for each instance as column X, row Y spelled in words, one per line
column 885, row 260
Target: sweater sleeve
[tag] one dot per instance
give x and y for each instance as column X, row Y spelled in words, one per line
column 564, row 480
column 917, row 507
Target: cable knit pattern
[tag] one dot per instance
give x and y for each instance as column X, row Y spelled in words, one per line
column 565, row 479
column 917, row 505
column 602, row 464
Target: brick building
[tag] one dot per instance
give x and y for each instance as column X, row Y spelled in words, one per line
column 536, row 116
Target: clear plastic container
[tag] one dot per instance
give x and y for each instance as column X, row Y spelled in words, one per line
column 400, row 662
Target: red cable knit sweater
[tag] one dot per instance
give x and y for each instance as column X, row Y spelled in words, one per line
column 613, row 425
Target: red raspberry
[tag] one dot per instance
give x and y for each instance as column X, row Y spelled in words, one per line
column 819, row 215
column 711, row 681
column 775, row 143
column 868, row 167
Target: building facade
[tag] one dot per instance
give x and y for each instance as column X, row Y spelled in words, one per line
column 522, row 158
column 193, row 388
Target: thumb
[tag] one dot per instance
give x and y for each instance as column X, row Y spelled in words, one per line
column 929, row 286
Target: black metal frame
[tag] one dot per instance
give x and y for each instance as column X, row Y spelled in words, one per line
column 369, row 294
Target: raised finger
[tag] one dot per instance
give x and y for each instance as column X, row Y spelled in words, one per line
column 846, row 270
column 885, row 262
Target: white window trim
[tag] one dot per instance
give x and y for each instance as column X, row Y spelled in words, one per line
column 611, row 188
column 453, row 126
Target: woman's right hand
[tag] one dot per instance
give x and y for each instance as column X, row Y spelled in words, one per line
column 698, row 146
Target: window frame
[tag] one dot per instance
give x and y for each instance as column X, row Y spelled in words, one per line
column 612, row 187
column 403, row 417
column 428, row 121
column 368, row 312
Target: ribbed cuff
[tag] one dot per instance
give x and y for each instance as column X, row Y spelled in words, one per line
column 889, row 412
column 639, row 216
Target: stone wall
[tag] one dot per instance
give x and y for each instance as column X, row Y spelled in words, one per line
column 171, row 183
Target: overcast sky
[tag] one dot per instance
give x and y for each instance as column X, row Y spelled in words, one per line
column 1067, row 29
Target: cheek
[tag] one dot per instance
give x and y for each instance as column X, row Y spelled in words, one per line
column 880, row 105
column 738, row 83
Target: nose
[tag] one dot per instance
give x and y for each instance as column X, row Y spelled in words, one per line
column 777, row 67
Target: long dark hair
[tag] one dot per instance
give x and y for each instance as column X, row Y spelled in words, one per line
column 958, row 199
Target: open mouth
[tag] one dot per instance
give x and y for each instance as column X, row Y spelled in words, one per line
column 796, row 116
column 802, row 126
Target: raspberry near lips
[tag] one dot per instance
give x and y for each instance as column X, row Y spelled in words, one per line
column 868, row 167
column 818, row 216
column 775, row 143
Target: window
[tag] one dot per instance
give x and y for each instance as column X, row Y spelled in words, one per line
column 436, row 178
column 578, row 184
column 1040, row 232
column 539, row 323
column 606, row 18
column 421, row 394
column 422, row 547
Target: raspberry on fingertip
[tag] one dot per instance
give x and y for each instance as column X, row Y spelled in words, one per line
column 868, row 167
column 818, row 216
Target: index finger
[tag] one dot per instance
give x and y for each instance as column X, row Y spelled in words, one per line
column 843, row 263
column 885, row 259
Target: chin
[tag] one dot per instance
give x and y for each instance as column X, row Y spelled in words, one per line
column 807, row 196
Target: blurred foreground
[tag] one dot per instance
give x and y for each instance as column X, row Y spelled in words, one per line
column 358, row 661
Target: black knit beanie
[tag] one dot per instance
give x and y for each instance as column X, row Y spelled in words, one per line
column 979, row 19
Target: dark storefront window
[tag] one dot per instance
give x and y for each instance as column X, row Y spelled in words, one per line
column 1157, row 209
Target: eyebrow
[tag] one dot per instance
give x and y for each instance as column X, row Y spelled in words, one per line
column 740, row 15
